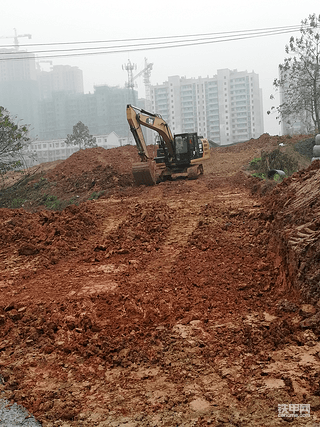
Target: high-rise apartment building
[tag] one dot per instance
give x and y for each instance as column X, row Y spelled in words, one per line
column 225, row 108
column 39, row 98
column 61, row 78
column 18, row 86
column 103, row 111
column 17, row 65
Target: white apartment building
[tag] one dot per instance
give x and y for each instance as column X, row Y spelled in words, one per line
column 225, row 108
column 56, row 149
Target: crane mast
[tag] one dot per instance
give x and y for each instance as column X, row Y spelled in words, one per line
column 16, row 37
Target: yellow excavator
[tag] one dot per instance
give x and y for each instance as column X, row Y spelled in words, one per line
column 181, row 154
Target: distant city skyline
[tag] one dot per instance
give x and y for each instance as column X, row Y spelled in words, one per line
column 56, row 25
column 226, row 108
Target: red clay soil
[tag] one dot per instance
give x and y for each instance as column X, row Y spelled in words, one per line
column 190, row 303
column 95, row 170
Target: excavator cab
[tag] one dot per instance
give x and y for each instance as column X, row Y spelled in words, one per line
column 182, row 149
column 188, row 146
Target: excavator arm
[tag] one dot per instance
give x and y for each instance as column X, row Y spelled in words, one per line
column 137, row 117
column 137, row 132
column 144, row 173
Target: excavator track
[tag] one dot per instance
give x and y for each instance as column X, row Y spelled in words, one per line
column 144, row 173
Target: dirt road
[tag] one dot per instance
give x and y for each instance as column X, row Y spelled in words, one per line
column 173, row 305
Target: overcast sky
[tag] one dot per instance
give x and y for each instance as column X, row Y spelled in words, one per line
column 60, row 21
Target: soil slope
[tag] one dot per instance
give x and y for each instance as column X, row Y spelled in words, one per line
column 190, row 303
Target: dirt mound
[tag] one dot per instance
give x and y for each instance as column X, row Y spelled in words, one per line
column 87, row 174
column 295, row 206
column 266, row 141
column 90, row 159
column 95, row 169
column 46, row 236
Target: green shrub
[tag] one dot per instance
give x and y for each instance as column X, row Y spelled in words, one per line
column 273, row 160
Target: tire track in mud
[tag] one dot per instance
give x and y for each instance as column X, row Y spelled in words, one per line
column 186, row 335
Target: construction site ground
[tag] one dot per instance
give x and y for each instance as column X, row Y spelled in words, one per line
column 189, row 303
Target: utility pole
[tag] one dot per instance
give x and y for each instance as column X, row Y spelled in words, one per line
column 129, row 67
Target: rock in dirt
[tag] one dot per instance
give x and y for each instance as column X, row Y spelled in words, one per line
column 312, row 322
column 287, row 306
column 27, row 249
column 307, row 310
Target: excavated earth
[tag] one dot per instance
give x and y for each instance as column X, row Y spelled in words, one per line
column 190, row 303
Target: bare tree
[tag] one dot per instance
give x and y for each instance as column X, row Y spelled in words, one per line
column 299, row 81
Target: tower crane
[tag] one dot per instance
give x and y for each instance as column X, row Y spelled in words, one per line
column 16, row 38
column 146, row 72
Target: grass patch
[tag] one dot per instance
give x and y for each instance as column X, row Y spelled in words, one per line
column 95, row 195
column 51, row 202
column 17, row 203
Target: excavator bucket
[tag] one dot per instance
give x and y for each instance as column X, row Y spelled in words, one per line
column 144, row 173
column 194, row 171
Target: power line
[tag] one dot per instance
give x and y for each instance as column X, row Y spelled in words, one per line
column 198, row 39
column 187, row 42
column 290, row 27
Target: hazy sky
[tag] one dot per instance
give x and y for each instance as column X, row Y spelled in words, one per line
column 60, row 21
